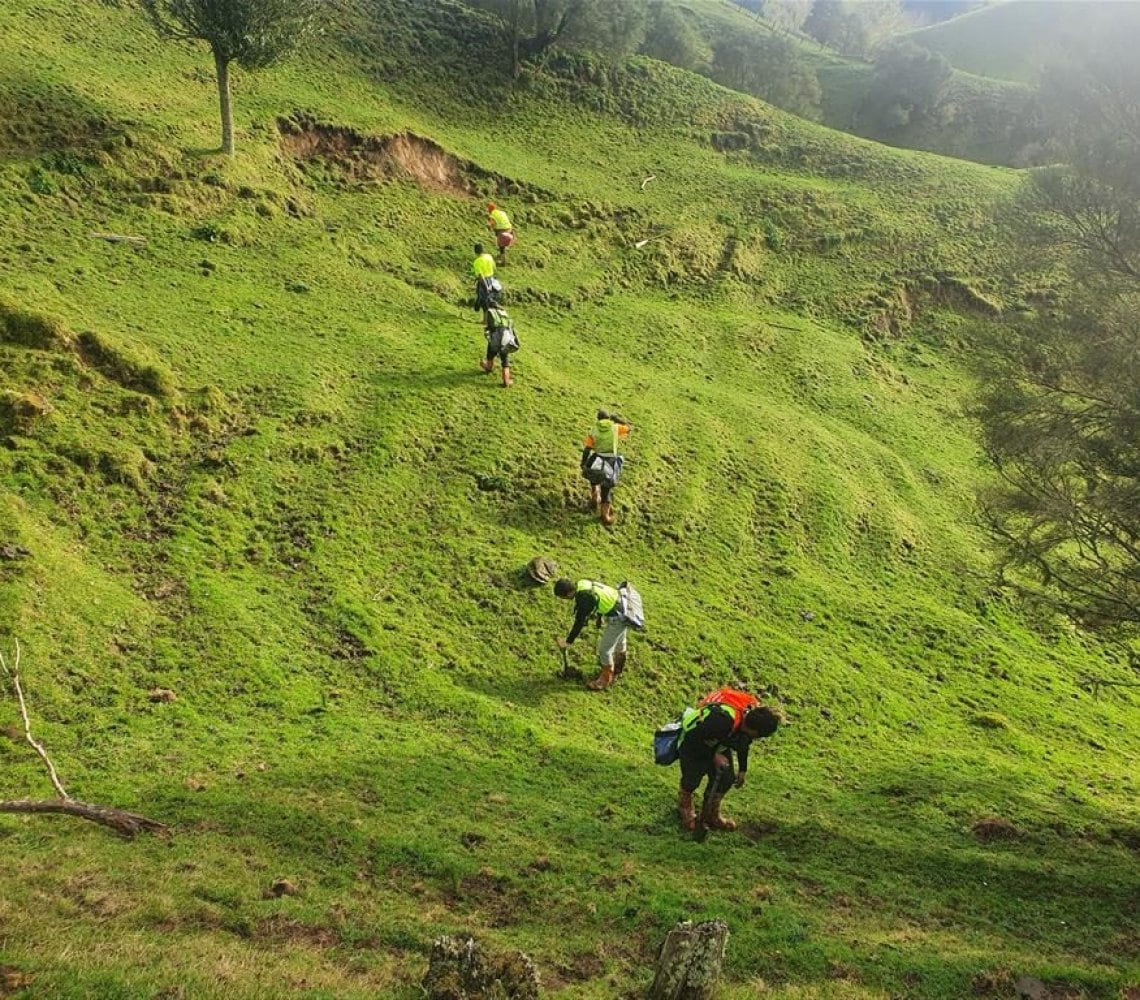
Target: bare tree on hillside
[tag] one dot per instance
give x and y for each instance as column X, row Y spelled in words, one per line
column 252, row 33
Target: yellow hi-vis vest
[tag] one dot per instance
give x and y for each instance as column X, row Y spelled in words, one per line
column 690, row 722
column 500, row 220
column 606, row 437
column 483, row 266
column 607, row 596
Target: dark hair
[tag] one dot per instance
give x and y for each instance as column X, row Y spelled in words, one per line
column 478, row 247
column 563, row 587
column 602, row 415
column 762, row 721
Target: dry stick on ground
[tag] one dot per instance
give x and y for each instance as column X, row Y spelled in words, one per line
column 1094, row 684
column 116, row 238
column 126, row 823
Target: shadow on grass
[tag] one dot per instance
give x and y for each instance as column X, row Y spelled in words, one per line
column 405, row 810
column 38, row 116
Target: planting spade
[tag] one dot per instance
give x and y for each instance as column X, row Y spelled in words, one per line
column 569, row 673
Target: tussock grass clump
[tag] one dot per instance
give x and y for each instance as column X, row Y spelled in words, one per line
column 125, row 366
column 31, row 329
column 990, row 720
column 20, row 411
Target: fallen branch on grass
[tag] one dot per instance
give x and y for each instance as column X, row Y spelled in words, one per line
column 116, row 238
column 126, row 823
column 1094, row 684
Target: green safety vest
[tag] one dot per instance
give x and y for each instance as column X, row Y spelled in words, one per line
column 607, row 596
column 497, row 318
column 500, row 220
column 483, row 266
column 690, row 721
column 606, row 437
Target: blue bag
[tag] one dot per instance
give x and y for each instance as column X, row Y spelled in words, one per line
column 667, row 739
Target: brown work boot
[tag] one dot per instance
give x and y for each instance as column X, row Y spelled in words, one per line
column 619, row 664
column 486, row 365
column 507, row 380
column 713, row 819
column 685, row 810
column 606, row 513
column 595, row 497
column 603, row 680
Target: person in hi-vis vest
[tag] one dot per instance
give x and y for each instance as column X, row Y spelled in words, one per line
column 597, row 600
column 601, row 463
column 500, row 222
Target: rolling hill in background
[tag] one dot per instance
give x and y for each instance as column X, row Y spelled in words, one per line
column 1015, row 39
column 249, row 459
column 984, row 119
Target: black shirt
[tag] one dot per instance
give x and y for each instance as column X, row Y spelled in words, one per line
column 585, row 607
column 714, row 732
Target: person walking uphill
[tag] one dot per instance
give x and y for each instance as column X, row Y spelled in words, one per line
column 487, row 287
column 500, row 222
column 618, row 607
column 601, row 463
column 502, row 342
column 725, row 722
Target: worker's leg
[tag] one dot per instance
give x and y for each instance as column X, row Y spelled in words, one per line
column 488, row 363
column 695, row 759
column 613, row 639
column 712, row 817
column 619, row 654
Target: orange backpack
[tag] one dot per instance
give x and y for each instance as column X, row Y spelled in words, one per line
column 742, row 701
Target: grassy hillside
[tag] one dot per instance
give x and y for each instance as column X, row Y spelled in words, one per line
column 1014, row 40
column 253, row 462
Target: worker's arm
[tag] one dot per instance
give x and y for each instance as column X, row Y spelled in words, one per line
column 585, row 604
column 742, row 744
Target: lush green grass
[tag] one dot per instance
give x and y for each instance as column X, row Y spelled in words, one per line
column 254, row 462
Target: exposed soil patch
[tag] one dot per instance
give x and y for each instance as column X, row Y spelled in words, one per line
column 365, row 157
column 279, row 927
column 995, row 828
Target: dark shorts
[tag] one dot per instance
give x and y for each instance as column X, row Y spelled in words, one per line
column 697, row 764
column 503, row 356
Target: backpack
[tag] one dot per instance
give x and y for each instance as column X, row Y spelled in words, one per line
column 502, row 334
column 488, row 291
column 629, row 603
column 667, row 739
column 742, row 701
column 602, row 470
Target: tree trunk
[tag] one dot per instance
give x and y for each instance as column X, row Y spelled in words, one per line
column 689, row 964
column 222, row 66
column 127, row 823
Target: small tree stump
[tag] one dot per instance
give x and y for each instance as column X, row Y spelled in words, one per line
column 688, row 966
column 460, row 970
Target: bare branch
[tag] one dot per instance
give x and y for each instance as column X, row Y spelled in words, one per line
column 14, row 674
column 126, row 823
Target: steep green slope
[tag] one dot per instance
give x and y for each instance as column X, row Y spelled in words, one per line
column 253, row 461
